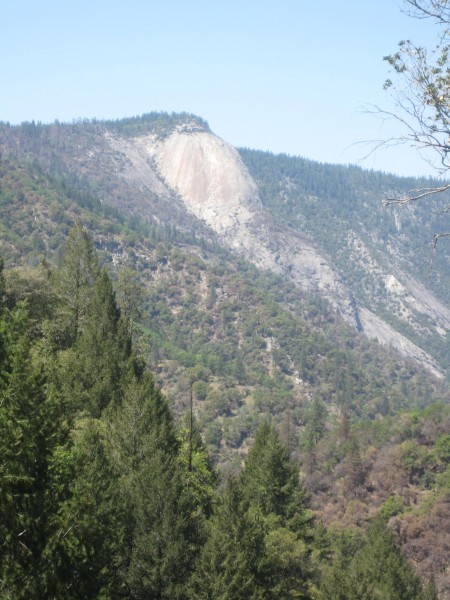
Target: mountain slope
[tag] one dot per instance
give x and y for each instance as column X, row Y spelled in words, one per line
column 309, row 223
column 384, row 254
column 252, row 345
column 215, row 186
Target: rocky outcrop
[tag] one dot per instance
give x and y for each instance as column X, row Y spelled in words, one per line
column 209, row 177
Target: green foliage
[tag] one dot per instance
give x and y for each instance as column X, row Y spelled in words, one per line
column 275, row 497
column 413, row 458
column 98, row 359
column 377, row 570
column 339, row 208
column 25, row 442
column 229, row 561
column 316, row 421
column 381, row 556
column 87, row 530
column 161, row 123
column 94, row 497
column 120, row 510
column 430, row 592
column 76, row 279
column 442, row 448
column 198, row 474
column 270, row 480
column 129, row 296
column 391, row 507
column 35, row 287
column 288, row 565
column 165, row 536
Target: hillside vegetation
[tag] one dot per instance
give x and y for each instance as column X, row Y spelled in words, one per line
column 377, row 248
column 366, row 429
column 102, row 496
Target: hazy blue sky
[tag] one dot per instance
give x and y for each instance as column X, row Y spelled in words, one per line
column 287, row 75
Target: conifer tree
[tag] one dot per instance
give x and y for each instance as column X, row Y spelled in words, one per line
column 164, row 541
column 25, row 439
column 335, row 582
column 377, row 571
column 87, row 530
column 129, row 294
column 163, row 529
column 315, row 428
column 198, row 474
column 355, row 473
column 76, row 278
column 270, row 484
column 101, row 352
column 230, row 559
column 271, row 481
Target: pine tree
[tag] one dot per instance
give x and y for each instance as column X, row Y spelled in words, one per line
column 129, row 295
column 230, row 560
column 26, row 424
column 198, row 474
column 380, row 569
column 87, row 530
column 76, row 278
column 336, row 582
column 315, row 428
column 93, row 368
column 270, row 480
column 270, row 484
column 164, row 543
column 377, row 571
column 163, row 529
column 354, row 468
column 102, row 350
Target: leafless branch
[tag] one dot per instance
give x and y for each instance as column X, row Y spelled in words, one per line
column 437, row 237
column 417, row 195
column 415, row 134
column 429, row 9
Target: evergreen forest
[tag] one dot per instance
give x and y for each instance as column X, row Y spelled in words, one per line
column 104, row 495
column 177, row 423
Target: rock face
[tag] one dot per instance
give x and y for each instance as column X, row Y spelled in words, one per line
column 209, row 177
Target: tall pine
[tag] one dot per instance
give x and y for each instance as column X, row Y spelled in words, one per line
column 270, row 484
column 76, row 278
column 26, row 428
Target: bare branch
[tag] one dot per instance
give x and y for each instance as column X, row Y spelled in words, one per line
column 421, row 94
column 437, row 237
column 429, row 9
column 419, row 194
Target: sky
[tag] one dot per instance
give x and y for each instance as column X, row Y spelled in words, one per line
column 292, row 76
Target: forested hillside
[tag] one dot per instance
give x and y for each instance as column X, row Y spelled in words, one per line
column 377, row 248
column 310, row 455
column 103, row 496
column 321, row 227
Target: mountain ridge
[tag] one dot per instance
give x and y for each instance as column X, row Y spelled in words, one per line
column 173, row 168
column 364, row 423
column 216, row 187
